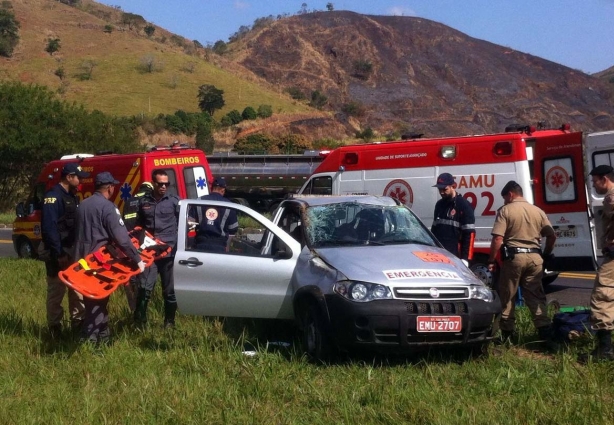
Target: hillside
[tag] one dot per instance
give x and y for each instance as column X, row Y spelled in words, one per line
column 95, row 34
column 424, row 76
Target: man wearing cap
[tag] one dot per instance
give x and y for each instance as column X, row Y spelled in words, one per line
column 99, row 223
column 602, row 297
column 517, row 232
column 58, row 237
column 453, row 220
column 158, row 213
column 217, row 223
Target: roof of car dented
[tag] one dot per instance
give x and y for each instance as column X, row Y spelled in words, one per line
column 316, row 200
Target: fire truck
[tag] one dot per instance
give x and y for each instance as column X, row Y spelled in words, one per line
column 547, row 163
column 263, row 181
column 187, row 169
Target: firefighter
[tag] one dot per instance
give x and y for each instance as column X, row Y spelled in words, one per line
column 98, row 223
column 58, row 236
column 158, row 213
column 217, row 223
column 602, row 297
column 453, row 220
column 517, row 232
column 131, row 208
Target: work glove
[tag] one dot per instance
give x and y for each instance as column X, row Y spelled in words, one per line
column 141, row 266
column 466, row 263
column 548, row 260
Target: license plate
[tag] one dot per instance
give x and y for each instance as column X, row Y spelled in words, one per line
column 566, row 233
column 439, row 324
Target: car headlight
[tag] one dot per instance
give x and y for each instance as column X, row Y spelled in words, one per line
column 481, row 293
column 362, row 291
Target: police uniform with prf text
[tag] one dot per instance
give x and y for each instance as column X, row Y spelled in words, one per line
column 58, row 236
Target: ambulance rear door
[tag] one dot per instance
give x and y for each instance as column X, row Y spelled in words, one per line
column 559, row 189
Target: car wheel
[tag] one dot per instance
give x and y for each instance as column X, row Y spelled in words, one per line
column 480, row 269
column 315, row 341
column 25, row 249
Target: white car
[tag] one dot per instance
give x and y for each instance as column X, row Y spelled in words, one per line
column 353, row 271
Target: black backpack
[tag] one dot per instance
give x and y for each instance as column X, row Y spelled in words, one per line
column 571, row 325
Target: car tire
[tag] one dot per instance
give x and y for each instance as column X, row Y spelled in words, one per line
column 25, row 248
column 316, row 343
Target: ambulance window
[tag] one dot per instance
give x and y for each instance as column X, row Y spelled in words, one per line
column 559, row 180
column 603, row 158
column 320, row 186
column 195, row 181
column 36, row 198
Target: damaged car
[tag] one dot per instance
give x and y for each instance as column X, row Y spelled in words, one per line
column 354, row 272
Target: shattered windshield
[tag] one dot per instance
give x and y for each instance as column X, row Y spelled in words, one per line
column 352, row 223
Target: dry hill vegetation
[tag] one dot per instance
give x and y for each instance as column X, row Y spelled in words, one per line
column 393, row 75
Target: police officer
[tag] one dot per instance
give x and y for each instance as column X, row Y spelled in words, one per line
column 131, row 209
column 453, row 220
column 217, row 223
column 517, row 232
column 602, row 297
column 58, row 234
column 99, row 223
column 158, row 213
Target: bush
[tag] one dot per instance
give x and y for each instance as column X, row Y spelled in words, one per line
column 9, row 33
column 53, row 45
column 220, row 47
column 367, row 134
column 363, row 69
column 254, row 144
column 149, row 30
column 296, row 93
column 249, row 113
column 108, row 28
column 353, row 109
column 292, row 144
column 231, row 118
column 327, row 143
column 318, row 100
column 265, row 111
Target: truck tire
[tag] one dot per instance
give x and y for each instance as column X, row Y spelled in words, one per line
column 479, row 267
column 25, row 248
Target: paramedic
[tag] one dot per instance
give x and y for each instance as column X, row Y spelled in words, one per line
column 58, row 237
column 131, row 208
column 517, row 232
column 602, row 297
column 158, row 213
column 98, row 223
column 453, row 220
column 217, row 223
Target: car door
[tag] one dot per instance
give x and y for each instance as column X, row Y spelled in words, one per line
column 250, row 277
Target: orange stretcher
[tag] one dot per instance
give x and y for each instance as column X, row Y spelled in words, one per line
column 102, row 272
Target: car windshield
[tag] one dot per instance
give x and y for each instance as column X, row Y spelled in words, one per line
column 352, row 223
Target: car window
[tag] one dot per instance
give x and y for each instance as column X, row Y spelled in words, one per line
column 211, row 230
column 360, row 224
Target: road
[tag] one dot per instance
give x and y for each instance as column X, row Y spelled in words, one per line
column 570, row 289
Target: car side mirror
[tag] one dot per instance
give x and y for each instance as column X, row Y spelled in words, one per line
column 20, row 209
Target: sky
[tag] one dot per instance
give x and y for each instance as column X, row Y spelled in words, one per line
column 575, row 33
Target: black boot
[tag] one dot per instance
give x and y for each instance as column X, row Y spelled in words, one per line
column 546, row 333
column 55, row 332
column 604, row 349
column 140, row 312
column 169, row 314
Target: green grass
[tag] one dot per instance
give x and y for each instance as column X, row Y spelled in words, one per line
column 198, row 374
column 7, row 218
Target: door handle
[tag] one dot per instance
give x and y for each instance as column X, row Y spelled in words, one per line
column 191, row 262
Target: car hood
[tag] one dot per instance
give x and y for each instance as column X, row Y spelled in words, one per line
column 395, row 265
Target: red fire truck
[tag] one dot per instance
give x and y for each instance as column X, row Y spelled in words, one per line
column 547, row 163
column 187, row 169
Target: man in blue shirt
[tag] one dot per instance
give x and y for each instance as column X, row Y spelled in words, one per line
column 217, row 223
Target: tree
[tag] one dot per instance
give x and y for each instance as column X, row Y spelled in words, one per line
column 253, row 144
column 149, row 64
column 132, row 20
column 265, row 111
column 149, row 30
column 204, row 133
column 197, row 44
column 330, row 7
column 9, row 33
column 303, row 9
column 210, row 98
column 53, row 45
column 231, row 118
column 296, row 93
column 220, row 47
column 249, row 113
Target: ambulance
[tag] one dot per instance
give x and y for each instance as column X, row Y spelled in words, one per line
column 187, row 169
column 547, row 163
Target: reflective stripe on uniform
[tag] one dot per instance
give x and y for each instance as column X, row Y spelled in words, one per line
column 452, row 223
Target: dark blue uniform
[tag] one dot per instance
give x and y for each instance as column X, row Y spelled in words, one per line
column 98, row 223
column 160, row 218
column 454, row 225
column 58, row 237
column 216, row 224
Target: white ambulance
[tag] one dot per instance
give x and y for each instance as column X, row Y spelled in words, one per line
column 547, row 163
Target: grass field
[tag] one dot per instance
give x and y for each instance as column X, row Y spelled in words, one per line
column 199, row 374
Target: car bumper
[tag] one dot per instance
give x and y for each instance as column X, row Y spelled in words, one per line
column 391, row 324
